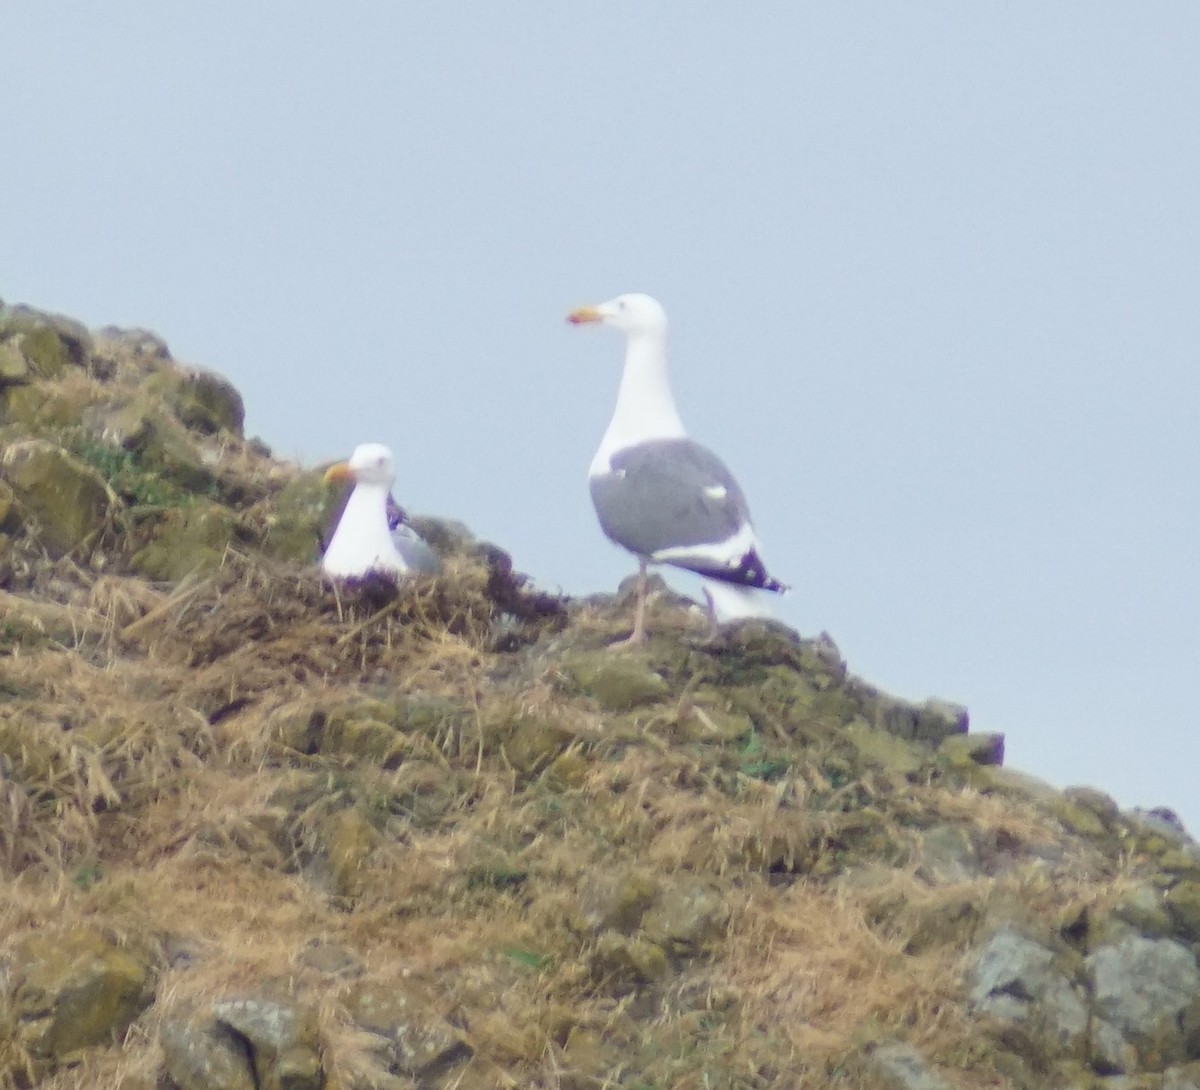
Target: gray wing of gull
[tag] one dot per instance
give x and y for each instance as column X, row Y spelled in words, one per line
column 414, row 551
column 668, row 493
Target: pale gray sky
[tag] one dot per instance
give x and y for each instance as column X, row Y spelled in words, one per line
column 932, row 270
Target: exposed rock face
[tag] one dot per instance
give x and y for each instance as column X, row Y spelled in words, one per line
column 1149, row 990
column 1017, row 980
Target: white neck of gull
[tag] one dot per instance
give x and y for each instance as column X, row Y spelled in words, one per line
column 645, row 407
column 362, row 540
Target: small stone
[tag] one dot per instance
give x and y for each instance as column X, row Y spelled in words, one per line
column 948, row 855
column 886, row 750
column 1183, row 1077
column 190, row 539
column 14, row 367
column 535, row 743
column 1142, row 909
column 138, row 342
column 1078, row 819
column 1016, row 979
column 1103, row 805
column 1108, row 1051
column 349, row 840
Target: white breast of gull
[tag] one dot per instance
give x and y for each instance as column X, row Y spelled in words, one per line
column 363, row 540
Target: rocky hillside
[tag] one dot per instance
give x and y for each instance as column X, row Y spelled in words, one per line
column 260, row 834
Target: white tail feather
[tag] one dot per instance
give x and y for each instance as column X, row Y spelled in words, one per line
column 734, row 603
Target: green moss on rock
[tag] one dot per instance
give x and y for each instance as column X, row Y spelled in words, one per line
column 535, row 743
column 209, row 403
column 189, row 539
column 297, row 519
column 1183, row 904
column 621, row 965
column 884, row 750
column 75, row 990
column 14, row 367
column 618, row 683
column 349, row 839
column 63, row 501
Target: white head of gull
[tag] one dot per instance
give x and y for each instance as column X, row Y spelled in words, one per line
column 661, row 495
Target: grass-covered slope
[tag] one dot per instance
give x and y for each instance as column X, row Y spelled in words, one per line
column 258, row 832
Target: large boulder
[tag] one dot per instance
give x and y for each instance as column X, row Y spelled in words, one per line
column 63, row 502
column 48, row 343
column 248, row 1043
column 1149, row 989
column 189, row 539
column 204, row 400
column 1021, row 982
column 75, row 990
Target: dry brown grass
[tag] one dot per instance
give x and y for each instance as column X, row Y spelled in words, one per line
column 155, row 785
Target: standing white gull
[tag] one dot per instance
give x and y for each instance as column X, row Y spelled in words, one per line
column 371, row 533
column 661, row 495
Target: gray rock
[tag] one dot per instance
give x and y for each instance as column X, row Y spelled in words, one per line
column 1183, row 903
column 283, row 1039
column 928, row 722
column 948, row 855
column 686, row 917
column 1109, row 1052
column 899, row 1066
column 1018, row 980
column 1186, row 1077
column 412, row 1041
column 1145, row 987
column 1141, row 909
column 202, row 1054
column 49, row 342
column 1104, row 806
